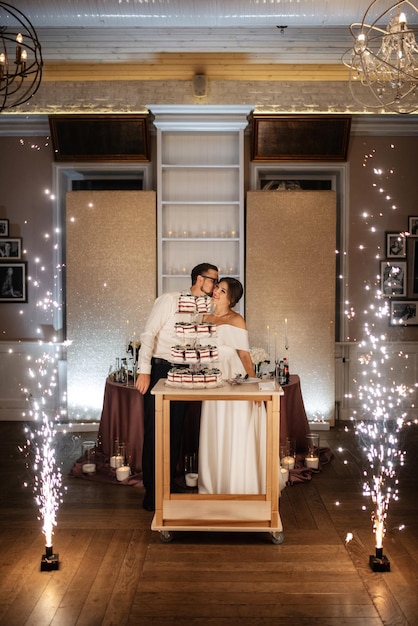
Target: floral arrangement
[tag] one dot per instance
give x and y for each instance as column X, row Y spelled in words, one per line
column 259, row 355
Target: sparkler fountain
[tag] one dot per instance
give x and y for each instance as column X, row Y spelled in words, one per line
column 382, row 391
column 47, row 481
column 47, row 476
column 380, row 440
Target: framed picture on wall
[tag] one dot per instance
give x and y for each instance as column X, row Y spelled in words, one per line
column 13, row 281
column 393, row 278
column 413, row 268
column 395, row 246
column 413, row 226
column 4, row 228
column 404, row 313
column 11, row 248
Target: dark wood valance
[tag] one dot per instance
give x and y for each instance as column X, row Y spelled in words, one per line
column 100, row 137
column 300, row 137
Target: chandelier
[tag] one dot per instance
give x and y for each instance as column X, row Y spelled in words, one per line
column 20, row 58
column 384, row 57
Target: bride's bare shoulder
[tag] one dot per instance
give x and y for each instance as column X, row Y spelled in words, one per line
column 238, row 321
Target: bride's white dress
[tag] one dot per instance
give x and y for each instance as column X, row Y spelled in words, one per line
column 232, row 444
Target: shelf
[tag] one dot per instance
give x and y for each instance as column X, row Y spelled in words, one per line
column 200, row 202
column 206, row 148
column 191, row 239
column 200, row 167
column 187, row 275
column 197, row 185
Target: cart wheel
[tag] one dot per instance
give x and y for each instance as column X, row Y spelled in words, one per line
column 277, row 538
column 166, row 536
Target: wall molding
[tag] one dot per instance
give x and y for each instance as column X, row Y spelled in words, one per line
column 37, row 124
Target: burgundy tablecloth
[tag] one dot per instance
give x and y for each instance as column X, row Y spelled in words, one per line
column 123, row 419
column 293, row 421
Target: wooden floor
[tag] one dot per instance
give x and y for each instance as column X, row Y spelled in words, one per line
column 115, row 570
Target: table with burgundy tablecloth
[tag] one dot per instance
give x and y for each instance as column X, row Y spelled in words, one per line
column 293, row 421
column 122, row 418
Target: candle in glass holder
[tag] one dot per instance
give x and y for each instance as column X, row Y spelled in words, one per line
column 312, row 451
column 88, row 468
column 191, row 479
column 88, row 465
column 312, row 462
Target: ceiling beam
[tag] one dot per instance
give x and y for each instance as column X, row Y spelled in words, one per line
column 184, row 66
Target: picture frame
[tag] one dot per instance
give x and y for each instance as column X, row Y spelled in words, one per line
column 4, row 228
column 413, row 225
column 395, row 245
column 10, row 248
column 13, row 281
column 403, row 313
column 393, row 278
column 413, row 268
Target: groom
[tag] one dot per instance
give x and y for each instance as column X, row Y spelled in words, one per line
column 154, row 363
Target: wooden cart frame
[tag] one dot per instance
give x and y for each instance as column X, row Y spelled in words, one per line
column 216, row 512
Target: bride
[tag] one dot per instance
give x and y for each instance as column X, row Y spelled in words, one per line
column 232, row 445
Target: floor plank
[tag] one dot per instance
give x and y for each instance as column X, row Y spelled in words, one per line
column 114, row 570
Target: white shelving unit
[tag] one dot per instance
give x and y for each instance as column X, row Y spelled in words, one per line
column 200, row 191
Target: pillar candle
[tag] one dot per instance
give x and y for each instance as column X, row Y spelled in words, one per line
column 289, row 462
column 285, row 474
column 312, row 462
column 123, row 472
column 116, row 461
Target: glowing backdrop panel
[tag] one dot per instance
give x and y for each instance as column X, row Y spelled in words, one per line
column 290, row 274
column 110, row 286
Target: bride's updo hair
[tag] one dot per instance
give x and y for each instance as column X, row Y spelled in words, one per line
column 235, row 290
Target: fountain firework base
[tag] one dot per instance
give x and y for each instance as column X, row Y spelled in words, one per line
column 49, row 560
column 378, row 562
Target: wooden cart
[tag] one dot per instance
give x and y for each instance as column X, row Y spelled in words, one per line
column 216, row 512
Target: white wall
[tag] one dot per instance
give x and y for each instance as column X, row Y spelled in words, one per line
column 399, row 367
column 32, row 378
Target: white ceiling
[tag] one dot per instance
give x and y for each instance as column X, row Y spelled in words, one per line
column 116, row 30
column 189, row 13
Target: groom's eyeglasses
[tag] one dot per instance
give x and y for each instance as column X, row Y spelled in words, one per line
column 214, row 280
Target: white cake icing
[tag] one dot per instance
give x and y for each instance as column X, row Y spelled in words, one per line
column 192, row 329
column 183, row 377
column 193, row 304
